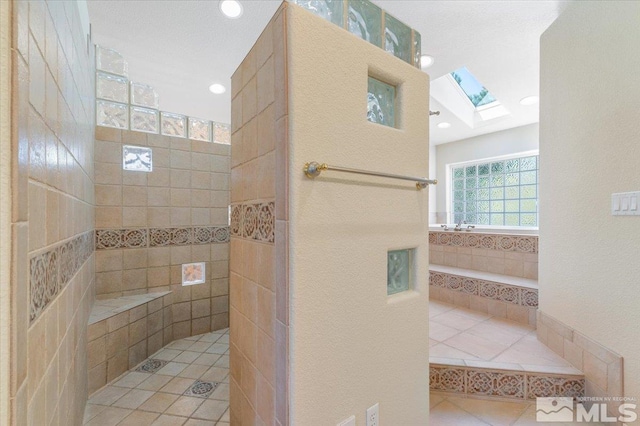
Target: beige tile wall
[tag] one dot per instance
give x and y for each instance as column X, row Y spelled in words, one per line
column 514, row 262
column 188, row 187
column 258, row 278
column 121, row 342
column 53, row 208
column 602, row 367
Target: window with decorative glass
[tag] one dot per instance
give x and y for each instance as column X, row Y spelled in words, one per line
column 499, row 192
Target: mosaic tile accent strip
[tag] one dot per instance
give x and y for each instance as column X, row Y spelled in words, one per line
column 151, row 365
column 52, row 270
column 503, row 383
column 201, row 389
column 159, row 237
column 491, row 290
column 517, row 243
column 255, row 221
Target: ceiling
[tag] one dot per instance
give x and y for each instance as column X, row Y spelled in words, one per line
column 182, row 47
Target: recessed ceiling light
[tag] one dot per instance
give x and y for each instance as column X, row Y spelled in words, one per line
column 444, row 125
column 426, row 61
column 529, row 100
column 231, row 8
column 217, row 89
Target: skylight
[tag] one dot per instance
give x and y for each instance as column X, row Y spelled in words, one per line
column 476, row 92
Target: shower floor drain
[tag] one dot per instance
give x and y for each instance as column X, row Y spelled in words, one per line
column 201, row 389
column 151, row 366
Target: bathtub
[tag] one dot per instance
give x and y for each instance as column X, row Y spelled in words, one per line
column 486, row 229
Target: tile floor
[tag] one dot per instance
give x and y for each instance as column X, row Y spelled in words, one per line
column 165, row 395
column 453, row 411
column 461, row 336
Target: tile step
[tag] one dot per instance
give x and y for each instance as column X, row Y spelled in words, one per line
column 498, row 382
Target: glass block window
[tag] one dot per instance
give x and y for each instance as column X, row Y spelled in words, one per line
column 193, row 273
column 137, row 158
column 500, row 193
column 399, row 270
column 381, row 102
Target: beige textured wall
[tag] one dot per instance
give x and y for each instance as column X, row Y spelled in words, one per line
column 589, row 260
column 53, row 204
column 351, row 345
column 258, row 292
column 187, row 191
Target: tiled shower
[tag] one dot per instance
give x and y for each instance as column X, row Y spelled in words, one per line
column 100, row 252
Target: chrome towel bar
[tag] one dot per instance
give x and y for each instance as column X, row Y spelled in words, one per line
column 314, row 169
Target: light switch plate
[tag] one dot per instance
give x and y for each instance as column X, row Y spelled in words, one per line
column 625, row 204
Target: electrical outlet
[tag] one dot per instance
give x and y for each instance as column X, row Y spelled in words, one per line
column 351, row 421
column 373, row 415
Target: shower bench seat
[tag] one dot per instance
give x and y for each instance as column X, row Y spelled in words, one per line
column 124, row 331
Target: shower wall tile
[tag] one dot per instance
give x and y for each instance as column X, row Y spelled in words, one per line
column 602, row 367
column 258, row 91
column 149, row 224
column 53, row 216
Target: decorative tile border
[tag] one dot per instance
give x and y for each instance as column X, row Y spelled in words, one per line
column 503, row 383
column 255, row 221
column 501, row 242
column 159, row 237
column 522, row 296
column 52, row 270
column 201, row 389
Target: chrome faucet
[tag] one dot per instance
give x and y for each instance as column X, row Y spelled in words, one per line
column 459, row 225
column 470, row 227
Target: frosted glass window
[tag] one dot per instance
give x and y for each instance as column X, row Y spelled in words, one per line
column 199, row 129
column 137, row 158
column 397, row 39
column 331, row 10
column 399, row 271
column 365, row 21
column 144, row 119
column 112, row 88
column 222, row 133
column 381, row 100
column 111, row 114
column 499, row 192
column 174, row 125
column 111, row 61
column 193, row 273
column 143, row 95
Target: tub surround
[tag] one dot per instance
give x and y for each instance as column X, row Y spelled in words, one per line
column 506, row 254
